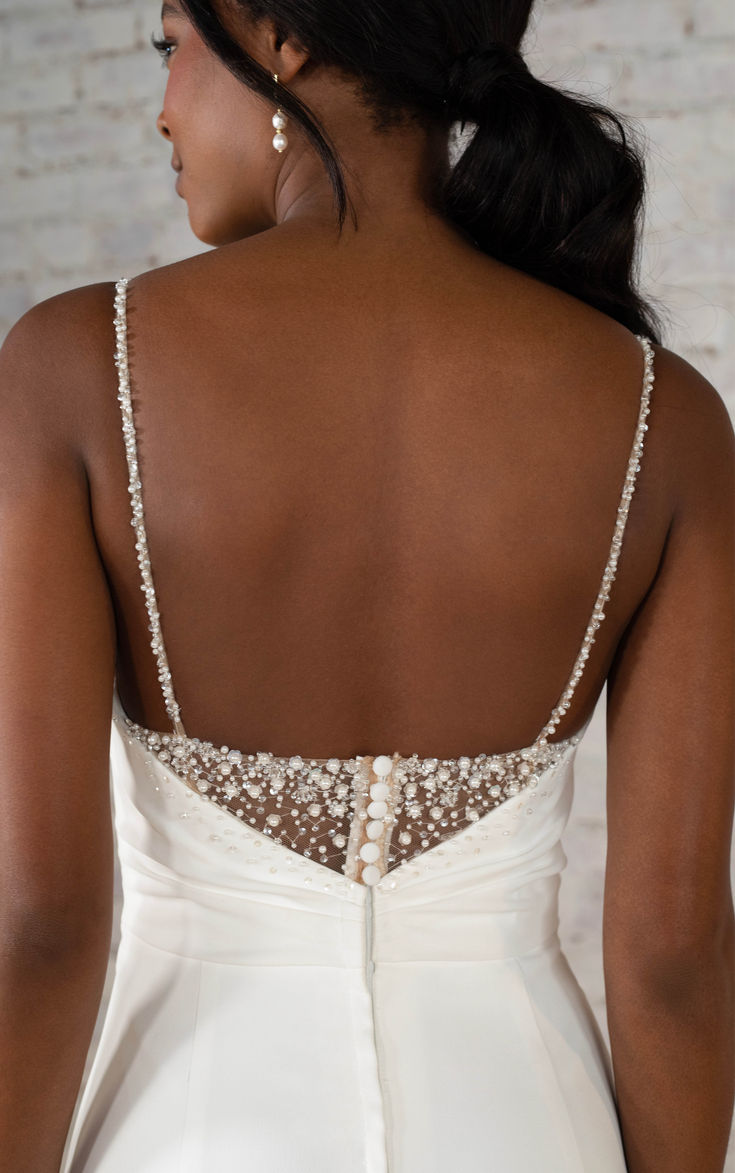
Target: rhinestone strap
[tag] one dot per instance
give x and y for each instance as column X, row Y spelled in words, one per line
column 598, row 613
column 136, row 500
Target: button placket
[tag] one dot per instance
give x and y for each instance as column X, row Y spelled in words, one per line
column 377, row 816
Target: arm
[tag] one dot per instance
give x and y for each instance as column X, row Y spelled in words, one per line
column 668, row 929
column 57, row 654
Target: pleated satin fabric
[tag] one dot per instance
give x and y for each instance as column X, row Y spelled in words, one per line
column 269, row 1014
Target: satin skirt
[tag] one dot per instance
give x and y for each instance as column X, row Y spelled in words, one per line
column 269, row 1015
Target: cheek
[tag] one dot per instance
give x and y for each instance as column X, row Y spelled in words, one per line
column 188, row 89
column 213, row 117
column 239, row 119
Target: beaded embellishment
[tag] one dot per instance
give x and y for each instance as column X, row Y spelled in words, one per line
column 362, row 816
column 136, row 501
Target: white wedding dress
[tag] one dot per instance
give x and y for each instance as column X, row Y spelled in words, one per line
column 343, row 966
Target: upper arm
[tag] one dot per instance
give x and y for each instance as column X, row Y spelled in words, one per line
column 57, row 642
column 671, row 701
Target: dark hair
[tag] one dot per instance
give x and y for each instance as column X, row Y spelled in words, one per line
column 550, row 182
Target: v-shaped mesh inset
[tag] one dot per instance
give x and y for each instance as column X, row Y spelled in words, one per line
column 362, row 816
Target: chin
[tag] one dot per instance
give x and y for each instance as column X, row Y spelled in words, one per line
column 218, row 231
column 204, row 230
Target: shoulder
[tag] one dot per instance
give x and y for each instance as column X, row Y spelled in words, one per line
column 695, row 422
column 689, row 439
column 52, row 356
column 63, row 319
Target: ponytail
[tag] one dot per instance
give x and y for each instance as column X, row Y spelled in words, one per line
column 549, row 183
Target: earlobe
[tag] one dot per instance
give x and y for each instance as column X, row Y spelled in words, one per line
column 290, row 64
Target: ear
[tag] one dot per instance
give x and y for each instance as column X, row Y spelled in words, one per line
column 268, row 43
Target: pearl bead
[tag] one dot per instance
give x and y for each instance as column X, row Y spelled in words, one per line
column 329, row 809
column 280, row 142
column 279, row 120
column 382, row 765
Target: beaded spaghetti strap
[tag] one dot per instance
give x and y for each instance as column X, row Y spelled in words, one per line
column 363, row 816
column 136, row 501
column 141, row 544
column 598, row 611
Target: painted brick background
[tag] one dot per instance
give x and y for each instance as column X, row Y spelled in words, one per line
column 87, row 195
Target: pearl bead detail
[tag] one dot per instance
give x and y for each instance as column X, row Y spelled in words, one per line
column 359, row 816
column 598, row 613
column 279, row 121
column 136, row 500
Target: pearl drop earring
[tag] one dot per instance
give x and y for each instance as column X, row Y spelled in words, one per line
column 280, row 142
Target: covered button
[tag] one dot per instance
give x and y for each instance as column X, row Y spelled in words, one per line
column 370, row 852
column 382, row 765
column 377, row 810
column 374, row 829
column 379, row 790
column 370, row 874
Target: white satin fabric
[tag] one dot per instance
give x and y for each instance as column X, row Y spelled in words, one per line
column 269, row 1015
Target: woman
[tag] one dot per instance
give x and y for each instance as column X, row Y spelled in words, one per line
column 366, row 467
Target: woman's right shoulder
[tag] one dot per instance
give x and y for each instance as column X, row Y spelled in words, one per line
column 695, row 428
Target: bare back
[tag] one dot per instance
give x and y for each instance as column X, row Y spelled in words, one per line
column 379, row 493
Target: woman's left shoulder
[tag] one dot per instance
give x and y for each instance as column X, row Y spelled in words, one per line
column 53, row 357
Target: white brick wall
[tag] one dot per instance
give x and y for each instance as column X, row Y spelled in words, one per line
column 87, row 195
